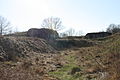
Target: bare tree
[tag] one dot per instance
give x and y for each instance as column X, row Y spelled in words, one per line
column 4, row 26
column 79, row 33
column 113, row 28
column 52, row 23
column 70, row 32
column 64, row 34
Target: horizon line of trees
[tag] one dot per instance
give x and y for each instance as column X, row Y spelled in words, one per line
column 4, row 26
column 53, row 23
column 113, row 28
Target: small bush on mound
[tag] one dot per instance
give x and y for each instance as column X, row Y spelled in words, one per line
column 74, row 70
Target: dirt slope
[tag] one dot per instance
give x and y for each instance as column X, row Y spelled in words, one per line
column 13, row 47
column 95, row 62
column 99, row 62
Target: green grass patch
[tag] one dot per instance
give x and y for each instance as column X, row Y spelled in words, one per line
column 64, row 72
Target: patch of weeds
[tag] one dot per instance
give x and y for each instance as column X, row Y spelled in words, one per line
column 64, row 73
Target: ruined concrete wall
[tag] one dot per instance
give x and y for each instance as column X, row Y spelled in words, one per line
column 44, row 33
column 97, row 35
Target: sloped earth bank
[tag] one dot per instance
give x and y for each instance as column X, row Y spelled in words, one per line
column 81, row 64
column 88, row 63
column 98, row 62
column 32, row 68
column 23, row 58
column 73, row 64
column 12, row 48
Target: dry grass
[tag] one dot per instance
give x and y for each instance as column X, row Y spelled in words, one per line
column 98, row 62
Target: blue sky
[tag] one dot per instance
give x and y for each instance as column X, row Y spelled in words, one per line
column 82, row 15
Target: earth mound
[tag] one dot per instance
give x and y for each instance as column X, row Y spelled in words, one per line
column 15, row 47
